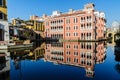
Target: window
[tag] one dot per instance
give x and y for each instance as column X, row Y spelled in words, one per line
column 75, row 34
column 75, row 20
column 89, row 45
column 89, row 36
column 75, row 46
column 89, row 26
column 89, row 18
column 82, row 55
column 83, row 62
column 1, row 2
column 68, row 59
column 68, row 34
column 89, row 63
column 75, row 60
column 82, row 45
column 68, row 46
column 68, row 52
column 75, row 27
column 67, row 21
column 89, row 56
column 75, row 53
column 51, row 23
column 1, row 15
column 82, row 26
column 82, row 37
column 68, row 28
column 82, row 19
column 89, row 73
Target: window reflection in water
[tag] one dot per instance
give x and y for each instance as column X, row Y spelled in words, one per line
column 84, row 54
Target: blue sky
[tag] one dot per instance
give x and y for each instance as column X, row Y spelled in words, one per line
column 25, row 8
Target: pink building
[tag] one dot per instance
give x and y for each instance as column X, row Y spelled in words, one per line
column 85, row 24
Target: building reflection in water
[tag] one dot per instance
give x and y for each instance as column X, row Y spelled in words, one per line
column 4, row 65
column 33, row 54
column 84, row 54
column 117, row 57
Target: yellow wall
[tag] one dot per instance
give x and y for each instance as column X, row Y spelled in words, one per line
column 3, row 9
column 32, row 24
column 37, row 26
column 40, row 26
column 29, row 27
column 14, row 22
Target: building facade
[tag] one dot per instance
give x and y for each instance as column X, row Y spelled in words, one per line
column 4, row 30
column 85, row 24
column 35, row 25
column 32, row 29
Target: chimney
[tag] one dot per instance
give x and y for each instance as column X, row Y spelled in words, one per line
column 44, row 16
column 71, row 10
column 89, row 6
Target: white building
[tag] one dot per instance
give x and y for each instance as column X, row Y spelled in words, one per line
column 4, row 29
column 115, row 26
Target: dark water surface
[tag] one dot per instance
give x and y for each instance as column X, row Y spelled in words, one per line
column 65, row 61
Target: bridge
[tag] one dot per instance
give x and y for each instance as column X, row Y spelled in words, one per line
column 112, row 35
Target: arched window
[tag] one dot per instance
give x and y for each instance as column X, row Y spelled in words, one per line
column 87, row 35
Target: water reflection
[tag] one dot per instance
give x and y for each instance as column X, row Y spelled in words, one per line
column 84, row 55
column 117, row 57
column 4, row 65
column 33, row 54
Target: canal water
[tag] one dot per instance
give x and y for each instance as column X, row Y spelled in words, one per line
column 63, row 61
